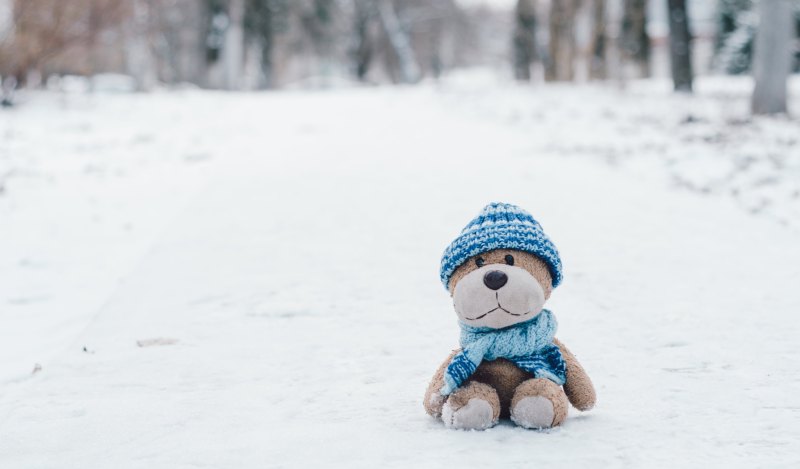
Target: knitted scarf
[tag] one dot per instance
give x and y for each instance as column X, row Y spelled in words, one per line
column 528, row 344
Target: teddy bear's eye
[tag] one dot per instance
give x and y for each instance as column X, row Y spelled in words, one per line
column 479, row 262
column 509, row 259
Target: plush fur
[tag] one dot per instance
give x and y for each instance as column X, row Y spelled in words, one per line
column 500, row 384
column 529, row 262
column 474, row 406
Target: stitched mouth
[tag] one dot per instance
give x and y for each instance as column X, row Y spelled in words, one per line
column 499, row 307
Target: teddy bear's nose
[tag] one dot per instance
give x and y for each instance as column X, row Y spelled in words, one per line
column 495, row 279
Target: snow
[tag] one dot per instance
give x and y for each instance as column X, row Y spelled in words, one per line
column 251, row 280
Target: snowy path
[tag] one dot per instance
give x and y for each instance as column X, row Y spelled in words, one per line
column 301, row 287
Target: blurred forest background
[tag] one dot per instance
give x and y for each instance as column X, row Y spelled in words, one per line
column 268, row 44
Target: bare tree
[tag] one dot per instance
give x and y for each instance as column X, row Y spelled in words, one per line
column 410, row 38
column 399, row 41
column 363, row 48
column 561, row 61
column 178, row 39
column 265, row 22
column 6, row 13
column 634, row 40
column 680, row 45
column 524, row 39
column 139, row 61
column 242, row 43
column 432, row 27
column 597, row 61
column 233, row 52
column 773, row 56
column 45, row 32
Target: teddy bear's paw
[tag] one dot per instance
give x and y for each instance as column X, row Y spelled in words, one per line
column 477, row 414
column 435, row 403
column 533, row 412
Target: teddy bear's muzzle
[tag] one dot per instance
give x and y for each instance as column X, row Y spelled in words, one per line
column 497, row 296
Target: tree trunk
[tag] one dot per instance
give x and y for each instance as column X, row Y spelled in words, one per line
column 363, row 47
column 680, row 45
column 139, row 59
column 399, row 41
column 773, row 56
column 597, row 64
column 635, row 42
column 233, row 50
column 524, row 39
column 560, row 65
column 6, row 19
column 265, row 19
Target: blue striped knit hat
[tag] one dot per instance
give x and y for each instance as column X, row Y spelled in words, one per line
column 501, row 226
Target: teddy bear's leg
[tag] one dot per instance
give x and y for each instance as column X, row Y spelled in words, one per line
column 474, row 406
column 538, row 403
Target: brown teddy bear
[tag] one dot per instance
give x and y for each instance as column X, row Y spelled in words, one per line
column 500, row 271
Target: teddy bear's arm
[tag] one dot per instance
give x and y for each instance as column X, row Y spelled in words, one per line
column 433, row 399
column 579, row 388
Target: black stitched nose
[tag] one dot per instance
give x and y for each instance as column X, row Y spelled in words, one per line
column 495, row 279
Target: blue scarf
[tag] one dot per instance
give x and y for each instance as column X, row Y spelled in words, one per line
column 528, row 344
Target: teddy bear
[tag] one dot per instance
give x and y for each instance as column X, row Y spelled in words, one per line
column 500, row 271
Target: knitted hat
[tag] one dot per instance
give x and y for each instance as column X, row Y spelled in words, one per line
column 501, row 226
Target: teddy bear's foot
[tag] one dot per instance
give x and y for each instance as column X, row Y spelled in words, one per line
column 475, row 406
column 538, row 403
column 533, row 412
column 476, row 415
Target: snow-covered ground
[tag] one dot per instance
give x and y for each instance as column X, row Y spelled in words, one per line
column 198, row 279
